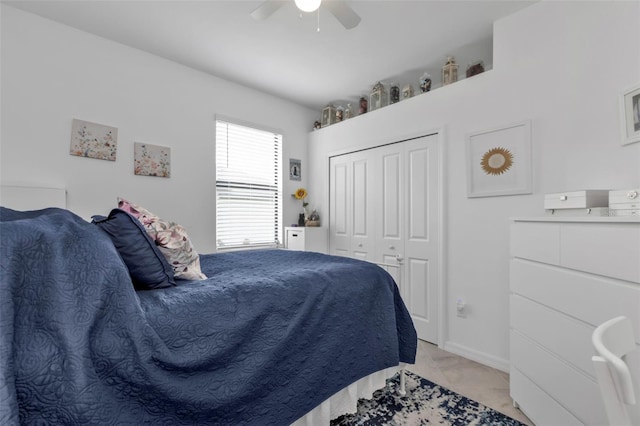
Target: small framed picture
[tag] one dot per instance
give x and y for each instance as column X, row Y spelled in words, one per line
column 630, row 115
column 151, row 160
column 295, row 169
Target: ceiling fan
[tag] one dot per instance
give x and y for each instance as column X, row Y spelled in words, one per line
column 339, row 8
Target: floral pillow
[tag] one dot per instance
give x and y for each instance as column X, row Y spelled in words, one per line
column 171, row 239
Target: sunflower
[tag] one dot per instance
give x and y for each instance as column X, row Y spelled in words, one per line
column 301, row 194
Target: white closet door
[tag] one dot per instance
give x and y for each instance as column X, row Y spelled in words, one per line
column 340, row 205
column 389, row 208
column 362, row 225
column 352, row 221
column 421, row 239
column 384, row 208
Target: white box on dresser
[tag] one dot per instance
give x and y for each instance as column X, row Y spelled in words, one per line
column 567, row 276
column 577, row 199
column 624, row 202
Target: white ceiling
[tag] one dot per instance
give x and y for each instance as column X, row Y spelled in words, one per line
column 285, row 55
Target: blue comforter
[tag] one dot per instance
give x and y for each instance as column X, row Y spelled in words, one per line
column 266, row 338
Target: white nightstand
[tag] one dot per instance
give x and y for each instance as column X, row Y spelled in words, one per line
column 306, row 238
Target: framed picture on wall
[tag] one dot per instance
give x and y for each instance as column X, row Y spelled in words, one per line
column 151, row 160
column 630, row 115
column 295, row 169
column 499, row 161
column 93, row 140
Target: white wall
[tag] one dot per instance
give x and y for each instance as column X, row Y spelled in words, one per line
column 52, row 73
column 561, row 65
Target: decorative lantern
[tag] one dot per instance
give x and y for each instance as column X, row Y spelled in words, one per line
column 328, row 115
column 378, row 97
column 407, row 91
column 425, row 83
column 449, row 71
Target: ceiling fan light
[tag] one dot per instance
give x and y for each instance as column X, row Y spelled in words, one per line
column 308, row 5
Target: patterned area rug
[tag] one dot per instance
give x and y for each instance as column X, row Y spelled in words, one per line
column 425, row 404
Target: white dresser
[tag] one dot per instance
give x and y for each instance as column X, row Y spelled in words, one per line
column 568, row 275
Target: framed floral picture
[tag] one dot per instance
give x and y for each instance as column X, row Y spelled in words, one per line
column 93, row 140
column 630, row 115
column 151, row 160
column 499, row 161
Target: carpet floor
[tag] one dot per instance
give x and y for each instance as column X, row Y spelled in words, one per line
column 425, row 403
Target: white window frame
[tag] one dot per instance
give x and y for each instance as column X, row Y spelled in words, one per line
column 241, row 185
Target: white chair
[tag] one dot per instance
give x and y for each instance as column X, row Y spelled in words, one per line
column 613, row 340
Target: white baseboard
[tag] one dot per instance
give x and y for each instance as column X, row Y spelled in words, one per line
column 474, row 355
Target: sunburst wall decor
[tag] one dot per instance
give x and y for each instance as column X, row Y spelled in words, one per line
column 496, row 161
column 499, row 161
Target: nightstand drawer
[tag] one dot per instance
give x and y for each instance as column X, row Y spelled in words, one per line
column 294, row 239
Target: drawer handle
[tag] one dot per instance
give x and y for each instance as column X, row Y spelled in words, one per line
column 632, row 194
column 563, row 198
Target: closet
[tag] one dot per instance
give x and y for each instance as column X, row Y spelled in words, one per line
column 384, row 207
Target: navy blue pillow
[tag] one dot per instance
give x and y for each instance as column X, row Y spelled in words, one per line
column 148, row 267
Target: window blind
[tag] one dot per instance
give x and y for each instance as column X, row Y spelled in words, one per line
column 248, row 186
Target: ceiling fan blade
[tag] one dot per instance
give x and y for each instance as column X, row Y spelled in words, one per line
column 343, row 13
column 266, row 9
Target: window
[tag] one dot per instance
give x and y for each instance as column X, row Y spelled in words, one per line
column 248, row 186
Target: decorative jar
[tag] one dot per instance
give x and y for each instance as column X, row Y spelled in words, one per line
column 407, row 91
column 363, row 105
column 394, row 93
column 425, row 83
column 475, row 69
column 348, row 112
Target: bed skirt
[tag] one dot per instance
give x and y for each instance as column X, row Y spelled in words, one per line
column 345, row 401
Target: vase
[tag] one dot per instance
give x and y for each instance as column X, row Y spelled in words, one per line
column 301, row 219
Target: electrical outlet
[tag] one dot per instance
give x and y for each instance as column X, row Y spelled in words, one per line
column 461, row 308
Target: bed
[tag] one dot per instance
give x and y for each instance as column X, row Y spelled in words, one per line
column 267, row 338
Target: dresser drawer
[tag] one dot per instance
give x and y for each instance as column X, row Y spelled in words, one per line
column 537, row 404
column 536, row 321
column 586, row 297
column 573, row 390
column 609, row 249
column 539, row 241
